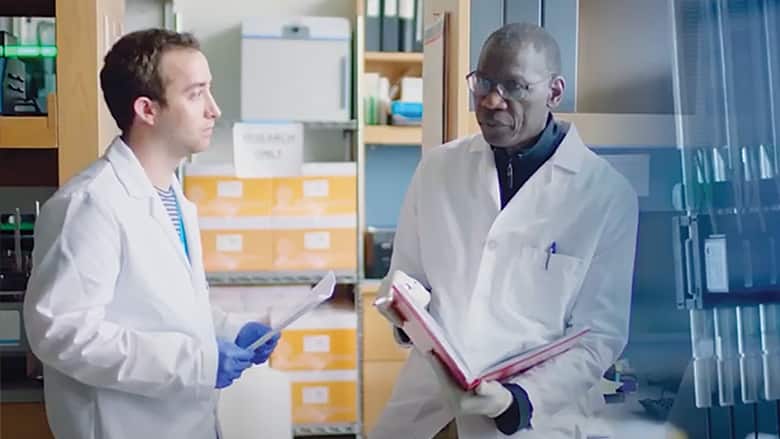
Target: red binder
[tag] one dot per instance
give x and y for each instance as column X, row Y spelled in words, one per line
column 428, row 335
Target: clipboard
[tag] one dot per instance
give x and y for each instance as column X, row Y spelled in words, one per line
column 319, row 294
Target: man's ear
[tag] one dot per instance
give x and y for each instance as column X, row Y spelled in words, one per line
column 145, row 110
column 557, row 86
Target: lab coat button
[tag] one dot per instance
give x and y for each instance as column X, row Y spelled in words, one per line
column 492, row 244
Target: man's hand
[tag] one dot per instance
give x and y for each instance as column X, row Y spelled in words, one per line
column 232, row 362
column 251, row 332
column 490, row 399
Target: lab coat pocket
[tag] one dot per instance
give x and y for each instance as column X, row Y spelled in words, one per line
column 539, row 285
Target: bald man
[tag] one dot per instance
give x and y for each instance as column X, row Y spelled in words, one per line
column 522, row 235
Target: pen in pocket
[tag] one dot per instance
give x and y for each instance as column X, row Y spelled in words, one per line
column 550, row 251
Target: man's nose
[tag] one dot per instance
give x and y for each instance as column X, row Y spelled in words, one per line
column 213, row 110
column 493, row 101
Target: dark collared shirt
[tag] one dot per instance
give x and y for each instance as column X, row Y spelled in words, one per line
column 515, row 169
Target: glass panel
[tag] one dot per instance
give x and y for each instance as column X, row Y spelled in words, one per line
column 28, row 67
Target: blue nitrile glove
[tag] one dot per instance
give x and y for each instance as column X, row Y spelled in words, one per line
column 232, row 361
column 249, row 333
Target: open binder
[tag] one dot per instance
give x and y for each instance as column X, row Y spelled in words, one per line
column 427, row 335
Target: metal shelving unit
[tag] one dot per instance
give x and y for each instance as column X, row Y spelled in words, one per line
column 327, row 429
column 352, row 132
column 360, row 157
column 359, row 351
column 275, row 278
column 350, row 125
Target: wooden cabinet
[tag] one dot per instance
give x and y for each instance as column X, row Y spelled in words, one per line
column 24, row 420
column 458, row 119
column 78, row 124
column 394, row 66
column 86, row 29
column 378, row 381
column 392, row 135
column 30, row 132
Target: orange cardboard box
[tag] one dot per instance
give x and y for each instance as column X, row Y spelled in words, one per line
column 324, row 397
column 218, row 193
column 326, row 248
column 235, row 250
column 325, row 189
column 316, row 349
column 325, row 339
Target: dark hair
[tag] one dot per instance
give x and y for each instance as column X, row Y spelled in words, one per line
column 515, row 35
column 131, row 69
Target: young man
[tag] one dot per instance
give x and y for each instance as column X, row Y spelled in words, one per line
column 522, row 235
column 117, row 307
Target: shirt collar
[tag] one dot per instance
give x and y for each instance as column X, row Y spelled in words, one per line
column 569, row 155
column 541, row 148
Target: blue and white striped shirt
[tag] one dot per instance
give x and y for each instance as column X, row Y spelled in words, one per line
column 168, row 198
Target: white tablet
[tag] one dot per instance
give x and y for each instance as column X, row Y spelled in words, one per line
column 320, row 293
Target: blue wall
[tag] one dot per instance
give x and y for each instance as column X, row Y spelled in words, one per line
column 389, row 170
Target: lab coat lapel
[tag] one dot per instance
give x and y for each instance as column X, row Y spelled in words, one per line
column 160, row 215
column 543, row 196
column 487, row 177
column 137, row 184
column 190, row 219
column 532, row 205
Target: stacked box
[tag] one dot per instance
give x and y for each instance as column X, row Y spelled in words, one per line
column 320, row 354
column 297, row 224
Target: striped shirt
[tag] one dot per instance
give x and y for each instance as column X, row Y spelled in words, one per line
column 168, row 198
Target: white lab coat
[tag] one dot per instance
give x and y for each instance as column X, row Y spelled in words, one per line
column 490, row 289
column 117, row 314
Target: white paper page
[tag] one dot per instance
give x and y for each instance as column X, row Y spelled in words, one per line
column 561, row 344
column 509, row 359
column 320, row 293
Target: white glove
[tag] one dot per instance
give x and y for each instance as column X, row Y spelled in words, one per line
column 384, row 300
column 489, row 399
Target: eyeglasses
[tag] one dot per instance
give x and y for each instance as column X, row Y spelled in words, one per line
column 481, row 86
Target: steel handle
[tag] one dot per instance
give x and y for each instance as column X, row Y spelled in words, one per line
column 343, row 83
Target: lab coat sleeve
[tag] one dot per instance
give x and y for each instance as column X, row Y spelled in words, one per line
column 227, row 325
column 603, row 305
column 77, row 260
